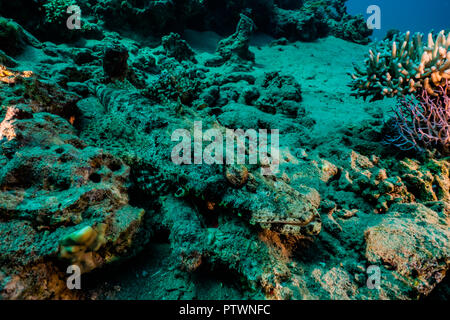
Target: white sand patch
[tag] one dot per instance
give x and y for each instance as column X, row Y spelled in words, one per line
column 321, row 68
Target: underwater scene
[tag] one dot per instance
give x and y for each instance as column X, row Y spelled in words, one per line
column 224, row 150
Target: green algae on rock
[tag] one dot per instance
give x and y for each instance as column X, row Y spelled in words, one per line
column 68, row 199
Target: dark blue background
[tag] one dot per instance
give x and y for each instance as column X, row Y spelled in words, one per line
column 413, row 15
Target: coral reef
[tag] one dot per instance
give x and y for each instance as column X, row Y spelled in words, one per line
column 307, row 20
column 403, row 66
column 60, row 201
column 423, row 122
column 87, row 140
column 417, row 74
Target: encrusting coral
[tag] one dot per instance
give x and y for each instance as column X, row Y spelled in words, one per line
column 62, row 203
column 404, row 65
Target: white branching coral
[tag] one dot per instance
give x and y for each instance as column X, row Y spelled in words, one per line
column 403, row 66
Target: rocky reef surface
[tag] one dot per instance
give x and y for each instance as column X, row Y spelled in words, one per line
column 87, row 179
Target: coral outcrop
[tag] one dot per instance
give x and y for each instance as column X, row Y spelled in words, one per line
column 88, row 176
column 309, row 20
column 307, row 24
column 62, row 203
column 414, row 241
column 405, row 65
column 177, row 48
column 236, row 47
column 302, row 20
column 351, row 28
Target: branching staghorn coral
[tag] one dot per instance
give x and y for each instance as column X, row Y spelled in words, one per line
column 404, row 65
column 423, row 121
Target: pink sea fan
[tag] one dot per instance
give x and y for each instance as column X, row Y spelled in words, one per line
column 422, row 121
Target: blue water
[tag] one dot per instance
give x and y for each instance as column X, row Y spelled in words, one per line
column 413, row 15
